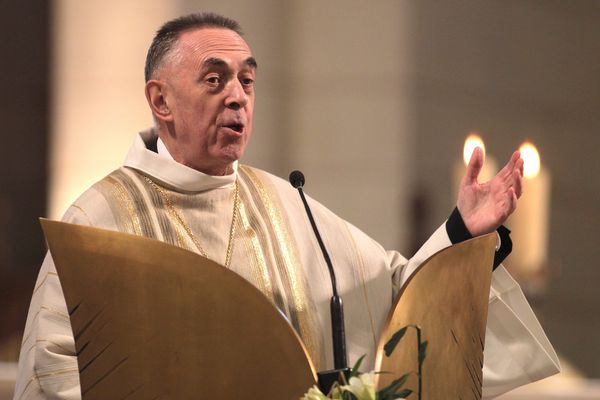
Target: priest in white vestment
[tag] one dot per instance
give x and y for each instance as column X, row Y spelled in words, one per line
column 181, row 184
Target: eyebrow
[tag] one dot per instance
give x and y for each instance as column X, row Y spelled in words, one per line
column 251, row 61
column 214, row 61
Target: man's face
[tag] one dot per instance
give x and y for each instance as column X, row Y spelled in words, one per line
column 209, row 92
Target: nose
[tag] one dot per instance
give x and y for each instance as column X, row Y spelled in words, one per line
column 236, row 96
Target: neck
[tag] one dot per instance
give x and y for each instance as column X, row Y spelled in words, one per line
column 218, row 170
column 228, row 170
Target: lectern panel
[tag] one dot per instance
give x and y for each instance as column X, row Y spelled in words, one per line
column 447, row 297
column 154, row 321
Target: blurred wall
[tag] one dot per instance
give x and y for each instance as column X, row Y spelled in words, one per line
column 97, row 97
column 516, row 70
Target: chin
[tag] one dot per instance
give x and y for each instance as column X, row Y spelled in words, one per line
column 231, row 154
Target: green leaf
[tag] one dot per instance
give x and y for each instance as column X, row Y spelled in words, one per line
column 393, row 387
column 354, row 370
column 393, row 342
column 422, row 352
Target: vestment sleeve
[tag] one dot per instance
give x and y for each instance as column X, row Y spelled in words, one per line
column 517, row 350
column 438, row 241
column 47, row 362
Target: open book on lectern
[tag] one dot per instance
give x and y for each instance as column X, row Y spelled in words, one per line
column 155, row 321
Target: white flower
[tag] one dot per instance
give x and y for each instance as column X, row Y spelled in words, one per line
column 362, row 386
column 314, row 394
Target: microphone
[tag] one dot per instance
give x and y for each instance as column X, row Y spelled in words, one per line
column 297, row 179
column 327, row 378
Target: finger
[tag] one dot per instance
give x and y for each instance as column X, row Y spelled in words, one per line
column 511, row 164
column 516, row 156
column 513, row 203
column 518, row 183
column 509, row 204
column 520, row 166
column 474, row 166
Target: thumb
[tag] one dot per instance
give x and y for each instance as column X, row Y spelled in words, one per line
column 474, row 167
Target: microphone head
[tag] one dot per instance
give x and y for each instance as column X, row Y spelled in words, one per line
column 297, row 179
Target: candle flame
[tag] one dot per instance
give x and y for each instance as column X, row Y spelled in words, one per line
column 472, row 141
column 531, row 158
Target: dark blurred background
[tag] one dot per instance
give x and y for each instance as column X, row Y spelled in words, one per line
column 24, row 112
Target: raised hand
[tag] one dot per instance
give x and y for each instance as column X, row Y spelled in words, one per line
column 485, row 206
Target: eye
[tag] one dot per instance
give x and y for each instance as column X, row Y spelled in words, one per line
column 213, row 80
column 247, row 82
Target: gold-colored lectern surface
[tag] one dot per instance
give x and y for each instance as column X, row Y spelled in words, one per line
column 153, row 321
column 448, row 298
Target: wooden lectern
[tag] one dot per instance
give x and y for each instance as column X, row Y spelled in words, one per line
column 447, row 297
column 154, row 321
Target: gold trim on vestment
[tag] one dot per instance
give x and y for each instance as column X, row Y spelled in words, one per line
column 169, row 233
column 361, row 267
column 139, row 210
column 135, row 188
column 121, row 204
column 177, row 222
column 264, row 248
column 256, row 258
column 302, row 310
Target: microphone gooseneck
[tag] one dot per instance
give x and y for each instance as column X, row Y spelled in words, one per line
column 337, row 311
column 297, row 181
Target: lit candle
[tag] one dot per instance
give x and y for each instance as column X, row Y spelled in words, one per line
column 488, row 171
column 529, row 223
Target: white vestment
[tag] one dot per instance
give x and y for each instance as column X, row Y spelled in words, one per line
column 276, row 250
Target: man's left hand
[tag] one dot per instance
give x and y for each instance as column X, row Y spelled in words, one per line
column 485, row 206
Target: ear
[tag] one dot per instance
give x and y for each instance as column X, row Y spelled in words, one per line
column 156, row 97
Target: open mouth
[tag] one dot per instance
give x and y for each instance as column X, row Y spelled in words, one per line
column 235, row 127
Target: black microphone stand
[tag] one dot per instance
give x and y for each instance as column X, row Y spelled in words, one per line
column 327, row 378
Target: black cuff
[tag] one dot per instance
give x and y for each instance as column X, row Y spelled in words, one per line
column 456, row 228
column 458, row 232
column 505, row 245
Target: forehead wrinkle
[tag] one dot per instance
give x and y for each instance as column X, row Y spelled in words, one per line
column 213, row 42
column 217, row 56
column 198, row 46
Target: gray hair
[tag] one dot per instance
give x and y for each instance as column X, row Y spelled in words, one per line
column 168, row 34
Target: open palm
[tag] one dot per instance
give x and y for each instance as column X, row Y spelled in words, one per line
column 486, row 206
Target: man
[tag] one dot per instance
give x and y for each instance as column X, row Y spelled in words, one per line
column 181, row 184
